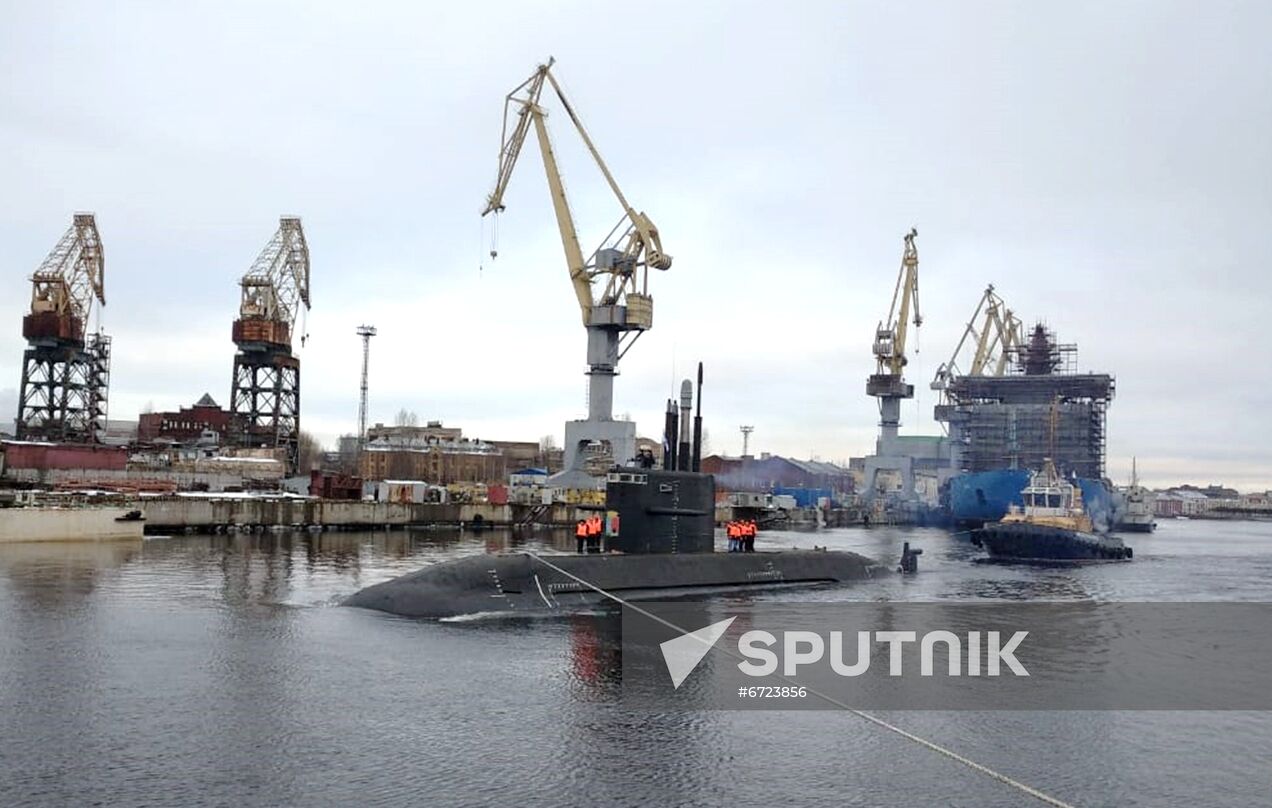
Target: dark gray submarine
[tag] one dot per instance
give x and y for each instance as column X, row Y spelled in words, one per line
column 663, row 547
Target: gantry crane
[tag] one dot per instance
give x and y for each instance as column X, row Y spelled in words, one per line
column 998, row 337
column 612, row 285
column 888, row 383
column 66, row 369
column 265, row 391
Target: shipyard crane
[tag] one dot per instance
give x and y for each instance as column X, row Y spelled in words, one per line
column 265, row 390
column 888, row 381
column 66, row 369
column 611, row 285
column 995, row 334
column 277, row 285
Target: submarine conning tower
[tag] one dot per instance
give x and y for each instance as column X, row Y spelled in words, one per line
column 661, row 511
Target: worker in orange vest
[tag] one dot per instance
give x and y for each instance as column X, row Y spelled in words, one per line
column 748, row 544
column 580, row 535
column 594, row 529
column 731, row 529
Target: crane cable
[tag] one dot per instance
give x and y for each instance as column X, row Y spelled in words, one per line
column 910, row 736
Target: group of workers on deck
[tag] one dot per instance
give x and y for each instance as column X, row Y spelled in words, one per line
column 741, row 533
column 588, row 533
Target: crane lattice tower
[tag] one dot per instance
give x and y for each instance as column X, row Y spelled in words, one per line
column 65, row 370
column 265, row 390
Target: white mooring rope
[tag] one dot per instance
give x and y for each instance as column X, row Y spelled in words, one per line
column 910, row 736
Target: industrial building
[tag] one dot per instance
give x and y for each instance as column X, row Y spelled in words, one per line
column 523, row 454
column 431, row 431
column 776, row 473
column 441, row 455
column 432, row 460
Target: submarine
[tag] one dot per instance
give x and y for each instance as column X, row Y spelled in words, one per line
column 664, row 547
column 660, row 543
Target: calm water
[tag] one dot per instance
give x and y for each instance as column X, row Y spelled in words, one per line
column 218, row 671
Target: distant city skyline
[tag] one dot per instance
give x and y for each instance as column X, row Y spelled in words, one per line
column 1071, row 156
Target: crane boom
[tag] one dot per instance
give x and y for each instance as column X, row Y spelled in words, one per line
column 996, row 334
column 890, row 339
column 277, row 285
column 637, row 246
column 72, row 276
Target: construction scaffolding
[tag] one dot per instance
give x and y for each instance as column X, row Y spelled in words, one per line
column 1042, row 410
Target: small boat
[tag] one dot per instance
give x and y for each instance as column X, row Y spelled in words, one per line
column 1052, row 524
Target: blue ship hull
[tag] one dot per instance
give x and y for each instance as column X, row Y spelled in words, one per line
column 982, row 497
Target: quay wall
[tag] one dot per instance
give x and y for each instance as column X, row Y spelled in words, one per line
column 213, row 513
column 66, row 524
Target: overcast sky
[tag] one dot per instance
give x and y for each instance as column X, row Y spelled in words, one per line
column 1107, row 166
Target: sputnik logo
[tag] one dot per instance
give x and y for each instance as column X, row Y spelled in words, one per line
column 683, row 653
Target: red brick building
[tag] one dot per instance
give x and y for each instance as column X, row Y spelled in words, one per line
column 186, row 424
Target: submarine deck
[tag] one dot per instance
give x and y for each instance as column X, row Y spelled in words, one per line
column 524, row 582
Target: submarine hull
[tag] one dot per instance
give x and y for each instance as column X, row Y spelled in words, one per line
column 527, row 583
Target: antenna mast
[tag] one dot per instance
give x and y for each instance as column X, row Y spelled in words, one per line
column 366, row 332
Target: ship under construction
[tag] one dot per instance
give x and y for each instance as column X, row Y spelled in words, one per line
column 1045, row 409
column 1030, row 409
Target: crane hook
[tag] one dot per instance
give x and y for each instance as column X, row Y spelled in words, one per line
column 494, row 237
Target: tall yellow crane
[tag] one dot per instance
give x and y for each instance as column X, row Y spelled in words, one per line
column 618, row 260
column 890, row 338
column 612, row 285
column 888, row 383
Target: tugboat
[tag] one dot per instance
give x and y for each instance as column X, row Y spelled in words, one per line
column 1052, row 524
